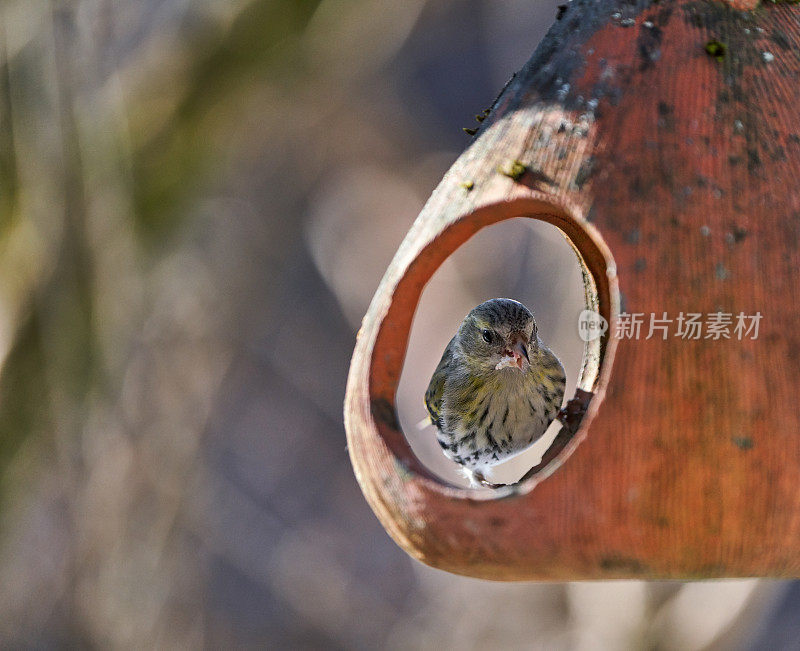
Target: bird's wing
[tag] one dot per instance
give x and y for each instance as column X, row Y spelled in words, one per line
column 555, row 379
column 433, row 396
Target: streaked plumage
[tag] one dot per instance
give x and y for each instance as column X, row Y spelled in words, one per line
column 486, row 400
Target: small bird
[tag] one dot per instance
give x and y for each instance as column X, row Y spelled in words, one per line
column 496, row 389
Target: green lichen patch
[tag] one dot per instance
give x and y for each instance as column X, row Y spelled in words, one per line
column 513, row 169
column 716, row 49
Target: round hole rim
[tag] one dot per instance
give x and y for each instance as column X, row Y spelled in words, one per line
column 393, row 329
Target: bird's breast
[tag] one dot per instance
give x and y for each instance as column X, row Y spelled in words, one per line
column 484, row 426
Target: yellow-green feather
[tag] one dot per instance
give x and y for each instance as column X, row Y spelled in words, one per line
column 433, row 396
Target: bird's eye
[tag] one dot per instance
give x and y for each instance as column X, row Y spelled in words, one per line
column 487, row 336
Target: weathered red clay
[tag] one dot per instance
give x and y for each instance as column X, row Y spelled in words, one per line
column 685, row 166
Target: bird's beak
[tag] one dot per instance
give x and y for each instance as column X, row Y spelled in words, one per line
column 519, row 349
column 516, row 354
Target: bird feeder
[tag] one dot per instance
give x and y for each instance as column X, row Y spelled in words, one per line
column 662, row 138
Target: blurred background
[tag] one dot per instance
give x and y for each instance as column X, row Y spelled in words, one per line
column 197, row 200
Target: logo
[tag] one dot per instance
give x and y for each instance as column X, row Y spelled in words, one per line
column 591, row 325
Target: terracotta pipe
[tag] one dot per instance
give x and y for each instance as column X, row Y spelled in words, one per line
column 662, row 138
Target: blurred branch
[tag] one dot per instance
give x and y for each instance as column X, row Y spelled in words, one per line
column 169, row 164
column 9, row 180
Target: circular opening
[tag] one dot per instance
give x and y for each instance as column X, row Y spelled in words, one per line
column 415, row 264
column 527, row 260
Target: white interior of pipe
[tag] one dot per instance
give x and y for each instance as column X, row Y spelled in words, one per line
column 525, row 259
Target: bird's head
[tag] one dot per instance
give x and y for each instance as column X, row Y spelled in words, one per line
column 499, row 334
